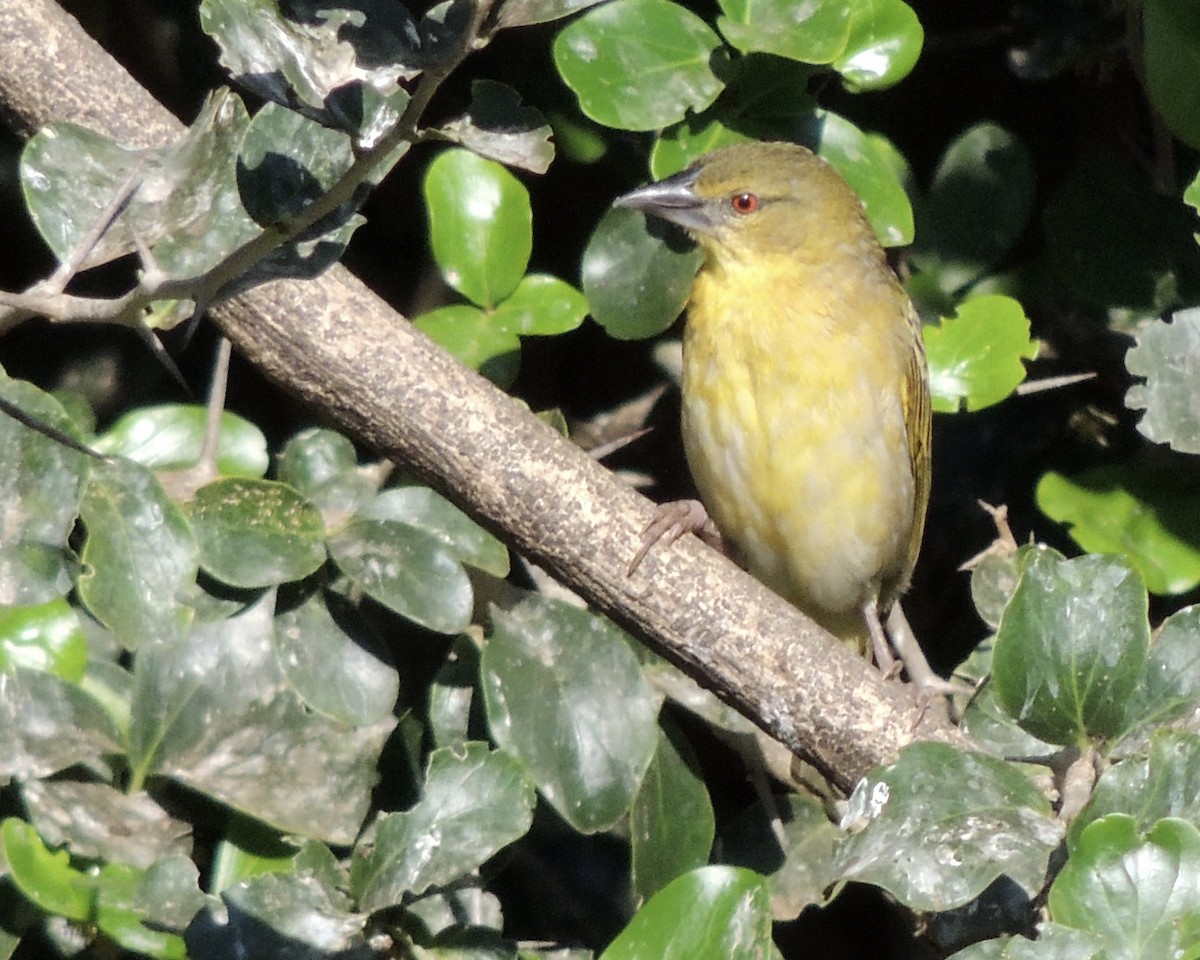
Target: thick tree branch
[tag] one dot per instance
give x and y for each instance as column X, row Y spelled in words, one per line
column 335, row 344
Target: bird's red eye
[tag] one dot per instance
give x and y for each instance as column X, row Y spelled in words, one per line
column 744, row 202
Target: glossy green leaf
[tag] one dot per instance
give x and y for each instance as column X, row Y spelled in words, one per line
column 276, row 917
column 1191, row 194
column 249, row 849
column 519, row 13
column 978, row 205
column 714, row 913
column 323, row 466
column 541, row 305
column 1171, row 57
column 480, row 225
column 256, row 533
column 332, row 660
column 1148, row 788
column 474, row 802
column 1115, row 243
column 566, row 695
column 1071, row 647
column 800, row 871
column 814, row 32
column 869, row 163
column 47, row 637
column 429, row 510
column 498, row 127
column 1054, row 942
column 453, row 698
column 140, row 555
column 170, row 437
column 671, row 824
column 883, row 46
column 215, row 712
column 637, row 274
column 339, row 65
column 41, row 484
column 639, row 64
column 98, row 822
column 469, row 334
column 407, row 570
column 48, row 724
column 118, row 914
column 975, row 357
column 186, row 207
column 995, row 578
column 1139, row 894
column 1167, row 355
column 286, row 162
column 994, row 822
column 46, row 877
column 1137, row 510
column 1170, row 685
column 681, row 145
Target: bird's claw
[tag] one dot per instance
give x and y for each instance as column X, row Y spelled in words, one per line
column 671, row 521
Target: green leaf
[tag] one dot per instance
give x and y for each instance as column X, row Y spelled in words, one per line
column 1191, row 195
column 480, row 225
column 883, row 46
column 469, row 334
column 1170, row 684
column 520, row 13
column 800, row 872
column 98, row 822
column 475, row 801
column 498, row 127
column 287, row 161
column 120, row 910
column 1167, row 355
column 424, row 508
column 1140, row 895
column 1071, row 647
column 541, row 305
column 334, row 663
column 41, row 484
column 256, row 533
column 248, row 849
column 453, row 701
column 814, row 32
column 978, row 206
column 214, row 711
column 1137, row 510
column 276, row 917
column 995, row 822
column 566, row 695
column 1054, row 942
column 995, row 578
column 340, row 65
column 870, row 164
column 1115, row 243
column 683, row 144
column 46, row 877
column 186, row 207
column 140, row 555
column 323, row 466
column 714, row 913
column 637, row 284
column 671, row 823
column 639, row 64
column 1171, row 57
column 975, row 356
column 1148, row 789
column 47, row 637
column 48, row 724
column 406, row 569
column 170, row 437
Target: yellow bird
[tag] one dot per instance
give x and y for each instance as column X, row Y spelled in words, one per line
column 806, row 416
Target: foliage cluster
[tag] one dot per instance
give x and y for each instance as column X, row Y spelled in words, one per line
column 310, row 715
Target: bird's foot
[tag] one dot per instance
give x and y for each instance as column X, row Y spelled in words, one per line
column 671, row 521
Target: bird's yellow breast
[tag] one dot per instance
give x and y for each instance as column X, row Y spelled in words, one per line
column 793, row 423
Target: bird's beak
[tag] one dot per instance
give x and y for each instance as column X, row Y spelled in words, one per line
column 673, row 199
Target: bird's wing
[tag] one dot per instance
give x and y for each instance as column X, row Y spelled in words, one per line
column 918, row 417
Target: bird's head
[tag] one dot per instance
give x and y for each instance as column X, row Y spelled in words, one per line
column 754, row 198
